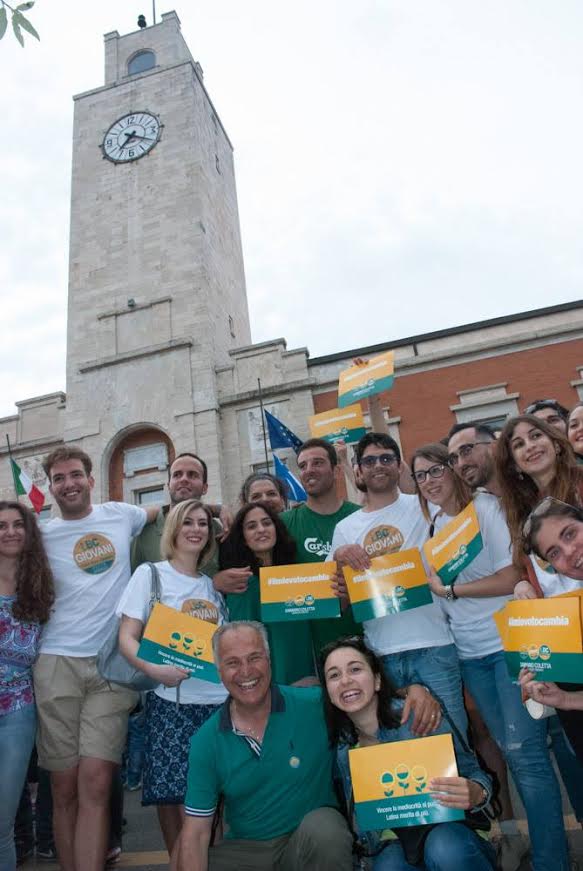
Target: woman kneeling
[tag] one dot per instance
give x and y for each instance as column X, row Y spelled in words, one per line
column 360, row 710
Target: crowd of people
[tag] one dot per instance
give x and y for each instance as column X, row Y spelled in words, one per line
column 252, row 772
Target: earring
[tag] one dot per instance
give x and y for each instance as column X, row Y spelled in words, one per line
column 520, row 475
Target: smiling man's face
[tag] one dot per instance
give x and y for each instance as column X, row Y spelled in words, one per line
column 244, row 666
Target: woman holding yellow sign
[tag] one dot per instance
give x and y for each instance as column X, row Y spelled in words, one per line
column 554, row 531
column 187, row 541
column 360, row 711
column 481, row 588
column 258, row 538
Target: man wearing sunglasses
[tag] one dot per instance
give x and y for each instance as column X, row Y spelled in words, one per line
column 416, row 645
column 471, row 455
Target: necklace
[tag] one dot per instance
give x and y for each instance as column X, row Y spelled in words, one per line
column 257, row 734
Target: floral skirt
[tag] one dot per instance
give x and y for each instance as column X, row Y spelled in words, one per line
column 168, row 731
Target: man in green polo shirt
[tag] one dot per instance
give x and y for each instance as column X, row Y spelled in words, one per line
column 266, row 752
column 312, row 526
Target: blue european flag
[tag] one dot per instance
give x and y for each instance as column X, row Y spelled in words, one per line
column 294, row 488
column 279, row 435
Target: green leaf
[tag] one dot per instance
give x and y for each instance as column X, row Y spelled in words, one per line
column 17, row 32
column 3, row 21
column 25, row 6
column 25, row 24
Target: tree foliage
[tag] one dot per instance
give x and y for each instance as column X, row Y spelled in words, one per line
column 18, row 20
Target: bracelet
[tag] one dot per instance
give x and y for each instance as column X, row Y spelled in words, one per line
column 450, row 595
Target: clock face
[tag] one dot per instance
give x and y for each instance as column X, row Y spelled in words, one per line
column 131, row 137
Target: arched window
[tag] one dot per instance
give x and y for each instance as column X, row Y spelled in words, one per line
column 142, row 61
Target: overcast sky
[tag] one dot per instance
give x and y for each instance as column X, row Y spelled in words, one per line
column 402, row 166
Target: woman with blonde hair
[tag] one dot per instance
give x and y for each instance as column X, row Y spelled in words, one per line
column 181, row 703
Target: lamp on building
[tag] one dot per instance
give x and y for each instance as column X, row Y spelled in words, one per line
column 142, row 21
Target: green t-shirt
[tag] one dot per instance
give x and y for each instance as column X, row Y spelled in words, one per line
column 266, row 795
column 290, row 643
column 313, row 535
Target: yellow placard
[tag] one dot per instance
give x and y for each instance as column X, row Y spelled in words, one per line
column 298, row 592
column 339, row 424
column 394, row 582
column 413, row 763
column 172, row 637
column 369, row 378
column 391, row 782
column 544, row 635
column 456, row 545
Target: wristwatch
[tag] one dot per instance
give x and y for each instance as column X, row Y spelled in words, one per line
column 450, row 595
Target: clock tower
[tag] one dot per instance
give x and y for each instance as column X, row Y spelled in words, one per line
column 157, row 296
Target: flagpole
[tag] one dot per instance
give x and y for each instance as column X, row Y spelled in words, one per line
column 12, row 467
column 262, row 422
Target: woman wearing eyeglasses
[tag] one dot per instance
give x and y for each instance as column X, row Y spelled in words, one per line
column 554, row 531
column 533, row 460
column 481, row 589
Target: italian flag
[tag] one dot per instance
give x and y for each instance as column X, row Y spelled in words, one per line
column 24, row 487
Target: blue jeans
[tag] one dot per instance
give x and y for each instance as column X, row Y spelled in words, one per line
column 437, row 668
column 448, row 847
column 522, row 741
column 17, row 731
column 133, row 757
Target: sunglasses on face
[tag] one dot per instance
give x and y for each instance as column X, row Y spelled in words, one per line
column 436, row 471
column 383, row 459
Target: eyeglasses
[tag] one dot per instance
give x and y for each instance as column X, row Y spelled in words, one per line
column 540, row 510
column 464, row 451
column 384, row 459
column 436, row 471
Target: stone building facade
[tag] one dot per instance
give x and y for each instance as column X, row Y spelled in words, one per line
column 159, row 353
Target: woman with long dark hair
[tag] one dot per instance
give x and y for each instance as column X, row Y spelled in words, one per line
column 554, row 531
column 259, row 538
column 478, row 592
column 534, row 460
column 361, row 710
column 26, row 598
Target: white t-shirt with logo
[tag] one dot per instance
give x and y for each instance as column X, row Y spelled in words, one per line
column 552, row 583
column 471, row 620
column 90, row 561
column 195, row 596
column 396, row 527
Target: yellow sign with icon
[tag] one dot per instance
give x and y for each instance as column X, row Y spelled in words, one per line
column 172, row 637
column 339, row 425
column 394, row 582
column 456, row 545
column 545, row 636
column 391, row 782
column 359, row 382
column 298, row 592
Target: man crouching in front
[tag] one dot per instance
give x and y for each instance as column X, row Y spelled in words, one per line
column 266, row 752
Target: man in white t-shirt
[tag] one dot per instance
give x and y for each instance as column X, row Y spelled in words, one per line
column 415, row 646
column 82, row 720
